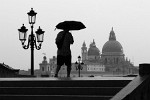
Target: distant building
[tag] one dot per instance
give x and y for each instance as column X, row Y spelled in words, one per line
column 7, row 71
column 45, row 68
column 111, row 61
column 112, row 57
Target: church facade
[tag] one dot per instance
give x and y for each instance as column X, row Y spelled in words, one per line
column 111, row 61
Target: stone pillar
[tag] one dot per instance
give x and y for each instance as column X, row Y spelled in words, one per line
column 144, row 69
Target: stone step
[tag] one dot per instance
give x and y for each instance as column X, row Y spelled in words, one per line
column 61, row 88
column 105, row 91
column 53, row 97
column 52, row 82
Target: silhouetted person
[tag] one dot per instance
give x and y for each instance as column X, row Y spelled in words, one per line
column 63, row 40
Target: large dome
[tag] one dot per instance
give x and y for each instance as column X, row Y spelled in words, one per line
column 112, row 45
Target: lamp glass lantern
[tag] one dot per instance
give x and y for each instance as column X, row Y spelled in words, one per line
column 32, row 16
column 40, row 35
column 79, row 58
column 22, row 34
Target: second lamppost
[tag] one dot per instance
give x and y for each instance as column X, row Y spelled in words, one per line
column 79, row 67
column 31, row 39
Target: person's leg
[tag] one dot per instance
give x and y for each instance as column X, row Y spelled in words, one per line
column 68, row 64
column 68, row 71
column 59, row 64
column 57, row 70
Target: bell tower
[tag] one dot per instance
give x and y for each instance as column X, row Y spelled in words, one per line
column 84, row 52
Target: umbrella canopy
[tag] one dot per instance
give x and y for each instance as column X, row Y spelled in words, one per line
column 70, row 25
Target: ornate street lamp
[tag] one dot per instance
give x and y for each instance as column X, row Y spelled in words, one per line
column 40, row 35
column 32, row 16
column 22, row 34
column 31, row 38
column 79, row 67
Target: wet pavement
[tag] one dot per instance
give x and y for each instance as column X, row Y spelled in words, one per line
column 69, row 79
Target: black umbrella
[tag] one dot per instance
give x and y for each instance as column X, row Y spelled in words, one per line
column 70, row 25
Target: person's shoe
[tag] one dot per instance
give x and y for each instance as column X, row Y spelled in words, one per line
column 56, row 75
column 68, row 76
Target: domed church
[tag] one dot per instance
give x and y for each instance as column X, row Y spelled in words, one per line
column 93, row 53
column 112, row 56
column 112, row 51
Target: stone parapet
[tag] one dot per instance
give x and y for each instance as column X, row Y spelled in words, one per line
column 144, row 69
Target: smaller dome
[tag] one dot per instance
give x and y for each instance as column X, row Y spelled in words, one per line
column 93, row 50
column 44, row 59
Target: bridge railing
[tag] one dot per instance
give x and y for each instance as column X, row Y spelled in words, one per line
column 138, row 88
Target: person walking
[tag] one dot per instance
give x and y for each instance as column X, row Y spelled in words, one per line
column 63, row 41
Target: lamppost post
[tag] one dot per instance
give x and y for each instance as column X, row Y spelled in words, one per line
column 79, row 65
column 31, row 37
column 32, row 51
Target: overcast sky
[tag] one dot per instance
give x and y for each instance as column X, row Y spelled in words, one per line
column 130, row 19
